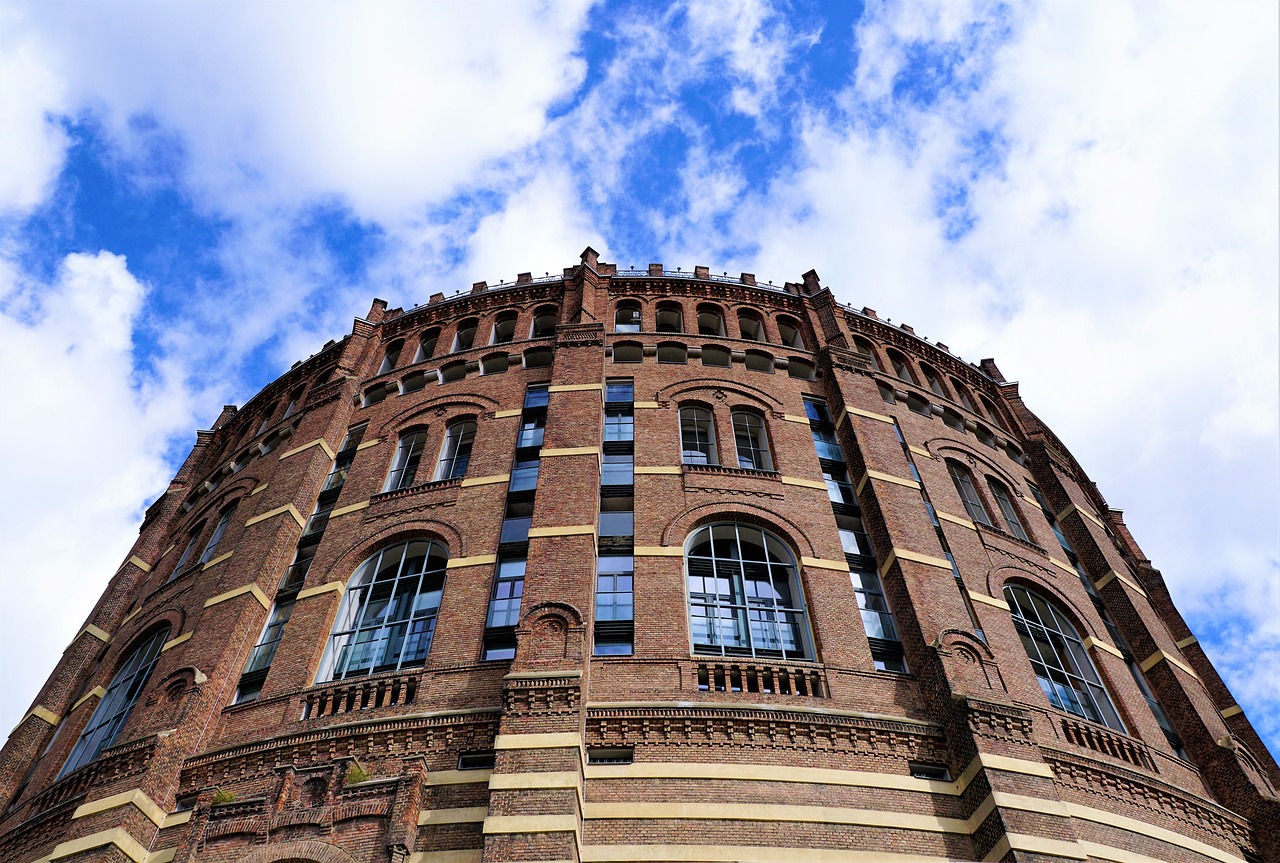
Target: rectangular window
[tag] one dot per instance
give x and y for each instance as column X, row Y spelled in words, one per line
column 524, row 475
column 816, row 411
column 346, row 455
column 532, row 430
column 618, row 469
column 264, row 652
column 615, row 611
column 619, row 390
column 752, row 443
column 877, row 619
column 515, row 527
column 617, row 516
column 508, row 588
column 211, row 548
column 537, row 396
column 619, row 425
column 824, row 441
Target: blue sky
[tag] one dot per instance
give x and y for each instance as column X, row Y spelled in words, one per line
column 194, row 196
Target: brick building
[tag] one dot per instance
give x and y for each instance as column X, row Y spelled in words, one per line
column 635, row 565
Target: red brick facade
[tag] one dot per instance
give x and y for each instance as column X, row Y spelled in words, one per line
column 754, row 733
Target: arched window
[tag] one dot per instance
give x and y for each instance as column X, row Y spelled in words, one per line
column 789, row 332
column 1059, row 659
column 697, row 436
column 404, row 467
column 376, row 394
column 1001, row 494
column 751, row 441
column 211, row 547
column 868, row 350
column 391, row 357
column 181, row 566
column 427, row 345
column 112, row 711
column 759, row 361
column 544, row 322
column 628, row 352
column 453, row 372
column 710, row 320
column 744, row 594
column 713, row 355
column 670, row 318
column 537, row 358
column 962, row 394
column 294, row 398
column 494, row 364
column 456, row 451
column 750, row 326
column 673, row 352
column 626, row 317
column 504, row 328
column 414, row 381
column 901, row 367
column 798, row 368
column 388, row 614
column 992, row 411
column 932, row 379
column 968, row 493
column 466, row 335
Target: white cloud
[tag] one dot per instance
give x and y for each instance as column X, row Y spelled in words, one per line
column 31, row 91
column 86, row 436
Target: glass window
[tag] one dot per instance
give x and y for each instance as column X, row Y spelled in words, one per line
column 255, row 670
column 614, row 607
column 759, row 361
column 817, row 411
column 532, row 430
column 618, row 469
column 672, row 353
column 537, row 396
column 744, row 594
column 749, row 327
column 710, row 321
column 1058, row 658
column 901, row 367
column 544, row 322
column 751, row 441
column 508, row 588
column 504, row 328
column 391, row 357
column 466, row 336
column 626, row 318
column 713, row 355
column 619, row 424
column 294, row 398
column 670, row 318
column 427, row 345
column 388, row 614
column 181, row 565
column 824, row 441
column 524, row 475
column 619, row 390
column 404, row 467
column 964, row 485
column 877, row 619
column 839, row 489
column 211, row 548
column 789, row 332
column 1001, row 494
column 456, row 451
column 518, row 520
column 697, row 436
column 868, row 350
column 109, row 716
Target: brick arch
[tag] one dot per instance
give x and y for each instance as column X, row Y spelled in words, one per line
column 344, row 565
column 299, row 851
column 424, row 413
column 677, row 530
column 941, row 446
column 1001, row 576
column 683, row 389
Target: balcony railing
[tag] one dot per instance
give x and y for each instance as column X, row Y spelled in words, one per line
column 351, row 696
column 763, row 679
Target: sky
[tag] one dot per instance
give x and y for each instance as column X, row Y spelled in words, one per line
column 195, row 195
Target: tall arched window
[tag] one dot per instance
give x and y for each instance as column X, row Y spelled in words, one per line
column 391, row 357
column 112, row 711
column 466, row 335
column 749, row 326
column 1001, row 494
column 868, row 350
column 504, row 328
column 962, row 394
column 404, row 467
column 211, row 547
column 456, row 451
column 968, row 493
column 670, row 318
column 935, row 382
column 789, row 332
column 1058, row 657
column 181, row 566
column 751, row 441
column 626, row 317
column 697, row 436
column 744, row 594
column 710, row 320
column 388, row 614
column 901, row 367
column 427, row 345
column 544, row 322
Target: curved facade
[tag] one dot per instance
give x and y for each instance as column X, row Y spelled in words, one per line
column 635, row 565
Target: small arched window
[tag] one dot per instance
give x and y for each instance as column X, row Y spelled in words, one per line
column 626, row 317
column 628, row 352
column 194, row 537
column 109, row 717
column 211, row 547
column 710, row 320
column 968, row 493
column 751, row 441
column 456, row 451
column 992, row 411
column 670, row 318
column 504, row 328
column 388, row 614
column 545, row 319
column 1058, row 658
column 427, row 345
column 901, row 367
column 673, row 352
column 376, row 394
column 537, row 358
column 932, row 379
column 453, row 372
column 744, row 594
column 414, row 382
column 962, row 395
column 750, row 326
column 1001, row 494
column 494, row 364
column 697, row 436
column 713, row 355
column 404, row 466
column 868, row 350
column 798, row 368
column 789, row 332
column 391, row 357
column 294, row 398
column 465, row 338
column 759, row 361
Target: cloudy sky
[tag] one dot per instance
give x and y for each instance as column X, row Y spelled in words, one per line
column 193, row 196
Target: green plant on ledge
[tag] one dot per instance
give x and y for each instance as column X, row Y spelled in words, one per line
column 221, row 796
column 356, row 774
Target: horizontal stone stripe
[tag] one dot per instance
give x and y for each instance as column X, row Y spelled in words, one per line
column 368, row 443
column 1065, row 567
column 460, row 815
column 258, row 488
column 886, row 477
column 131, row 615
column 1035, row 845
column 548, row 740
column 903, row 554
column 796, row 418
column 1113, row 575
column 329, row 587
column 117, row 836
column 1090, row 641
column 1005, row 763
column 955, row 519
column 164, row 855
column 1155, row 659
column 1152, row 831
column 288, row 507
column 470, row 481
column 548, row 779
column 658, row 551
column 531, row 824
column 1186, row 642
column 173, row 819
column 566, row 530
column 349, row 508
column 742, row 854
column 658, row 470
column 796, row 708
column 920, row 451
column 823, row 563
column 645, row 405
column 804, row 483
column 767, row 773
column 90, row 629
column 139, row 563
column 685, row 811
column 252, row 589
column 136, row 798
column 1233, row 710
column 871, row 415
column 512, row 412
column 458, row 777
column 42, row 713
column 569, row 450
column 96, row 692
column 1083, row 513
column 462, row 855
column 988, row 600
column 215, row 561
column 174, row 642
column 473, row 560
column 573, row 388
column 320, row 442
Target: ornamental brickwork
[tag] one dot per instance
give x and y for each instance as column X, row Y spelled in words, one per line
column 635, row 565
